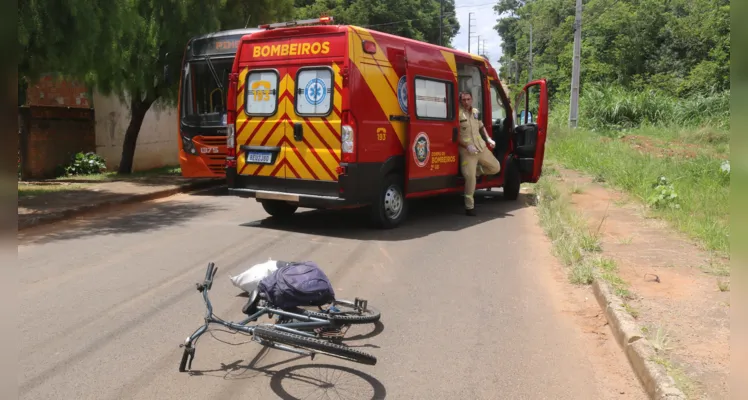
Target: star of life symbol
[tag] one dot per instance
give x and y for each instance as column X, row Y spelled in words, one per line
column 315, row 91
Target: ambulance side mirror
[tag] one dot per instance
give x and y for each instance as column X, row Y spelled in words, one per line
column 522, row 115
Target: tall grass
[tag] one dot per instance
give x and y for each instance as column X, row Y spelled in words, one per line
column 613, row 108
column 700, row 186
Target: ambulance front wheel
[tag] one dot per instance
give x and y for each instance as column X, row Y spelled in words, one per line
column 278, row 209
column 512, row 181
column 390, row 208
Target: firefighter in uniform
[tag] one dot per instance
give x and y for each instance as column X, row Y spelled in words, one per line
column 475, row 157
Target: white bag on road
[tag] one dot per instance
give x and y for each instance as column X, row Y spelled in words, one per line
column 249, row 279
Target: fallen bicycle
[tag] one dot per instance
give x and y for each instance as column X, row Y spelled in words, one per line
column 296, row 330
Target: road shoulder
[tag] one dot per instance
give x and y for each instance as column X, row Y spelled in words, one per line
column 666, row 299
column 577, row 304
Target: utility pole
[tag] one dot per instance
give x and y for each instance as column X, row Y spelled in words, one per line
column 470, row 29
column 530, row 66
column 574, row 103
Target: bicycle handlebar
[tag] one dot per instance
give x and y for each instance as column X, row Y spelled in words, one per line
column 210, row 273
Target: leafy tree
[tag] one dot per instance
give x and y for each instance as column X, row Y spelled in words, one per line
column 120, row 47
column 134, row 70
column 241, row 13
column 680, row 47
column 415, row 19
column 58, row 35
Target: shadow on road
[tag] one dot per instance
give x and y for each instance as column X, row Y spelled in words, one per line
column 426, row 217
column 303, row 381
column 316, row 381
column 143, row 218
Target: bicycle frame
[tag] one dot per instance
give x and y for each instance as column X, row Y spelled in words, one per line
column 309, row 323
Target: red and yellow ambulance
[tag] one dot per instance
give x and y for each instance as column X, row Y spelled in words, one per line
column 333, row 116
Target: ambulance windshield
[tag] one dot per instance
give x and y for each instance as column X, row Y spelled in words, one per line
column 204, row 92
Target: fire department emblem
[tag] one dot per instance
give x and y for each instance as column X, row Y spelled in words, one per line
column 421, row 149
column 315, row 91
column 402, row 94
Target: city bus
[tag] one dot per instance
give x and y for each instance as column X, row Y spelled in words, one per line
column 201, row 105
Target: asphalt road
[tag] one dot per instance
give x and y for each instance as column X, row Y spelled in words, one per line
column 468, row 307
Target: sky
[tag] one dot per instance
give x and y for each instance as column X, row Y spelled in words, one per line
column 484, row 19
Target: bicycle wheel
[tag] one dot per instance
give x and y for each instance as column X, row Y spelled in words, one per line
column 319, row 346
column 347, row 313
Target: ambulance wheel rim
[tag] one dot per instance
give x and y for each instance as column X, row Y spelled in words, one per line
column 393, row 202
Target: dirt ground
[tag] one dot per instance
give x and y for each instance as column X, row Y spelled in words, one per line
column 680, row 294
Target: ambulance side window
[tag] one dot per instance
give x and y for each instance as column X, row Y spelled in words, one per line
column 314, row 91
column 434, row 99
column 261, row 93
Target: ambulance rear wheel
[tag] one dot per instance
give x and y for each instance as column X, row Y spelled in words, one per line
column 278, row 209
column 390, row 208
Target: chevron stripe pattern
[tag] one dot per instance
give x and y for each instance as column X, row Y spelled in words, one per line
column 316, row 157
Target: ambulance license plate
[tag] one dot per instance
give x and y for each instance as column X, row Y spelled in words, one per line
column 259, row 158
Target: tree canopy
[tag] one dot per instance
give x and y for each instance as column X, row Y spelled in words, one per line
column 121, row 46
column 416, row 19
column 678, row 46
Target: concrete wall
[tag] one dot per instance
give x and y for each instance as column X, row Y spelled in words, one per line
column 157, row 143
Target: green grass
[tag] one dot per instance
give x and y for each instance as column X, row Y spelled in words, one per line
column 606, row 107
column 112, row 175
column 700, row 205
column 25, row 190
column 682, row 381
column 83, row 182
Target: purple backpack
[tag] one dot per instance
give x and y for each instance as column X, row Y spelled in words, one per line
column 296, row 284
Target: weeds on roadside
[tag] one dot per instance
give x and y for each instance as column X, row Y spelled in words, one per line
column 691, row 193
column 660, row 340
column 573, row 243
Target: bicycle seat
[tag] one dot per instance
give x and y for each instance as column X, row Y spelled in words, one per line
column 251, row 306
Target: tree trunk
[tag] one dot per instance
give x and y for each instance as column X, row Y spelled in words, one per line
column 139, row 108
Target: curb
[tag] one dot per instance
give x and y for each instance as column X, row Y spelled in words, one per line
column 639, row 351
column 31, row 222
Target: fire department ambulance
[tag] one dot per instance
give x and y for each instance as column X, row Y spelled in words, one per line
column 334, row 116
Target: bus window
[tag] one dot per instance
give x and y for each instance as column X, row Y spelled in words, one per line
column 204, row 100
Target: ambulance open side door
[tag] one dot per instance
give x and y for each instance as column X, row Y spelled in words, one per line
column 531, row 115
column 432, row 157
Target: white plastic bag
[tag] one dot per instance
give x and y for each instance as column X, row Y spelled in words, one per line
column 249, row 279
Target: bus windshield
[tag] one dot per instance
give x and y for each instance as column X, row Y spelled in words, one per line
column 204, row 93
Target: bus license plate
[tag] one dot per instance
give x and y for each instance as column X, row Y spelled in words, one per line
column 259, row 158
